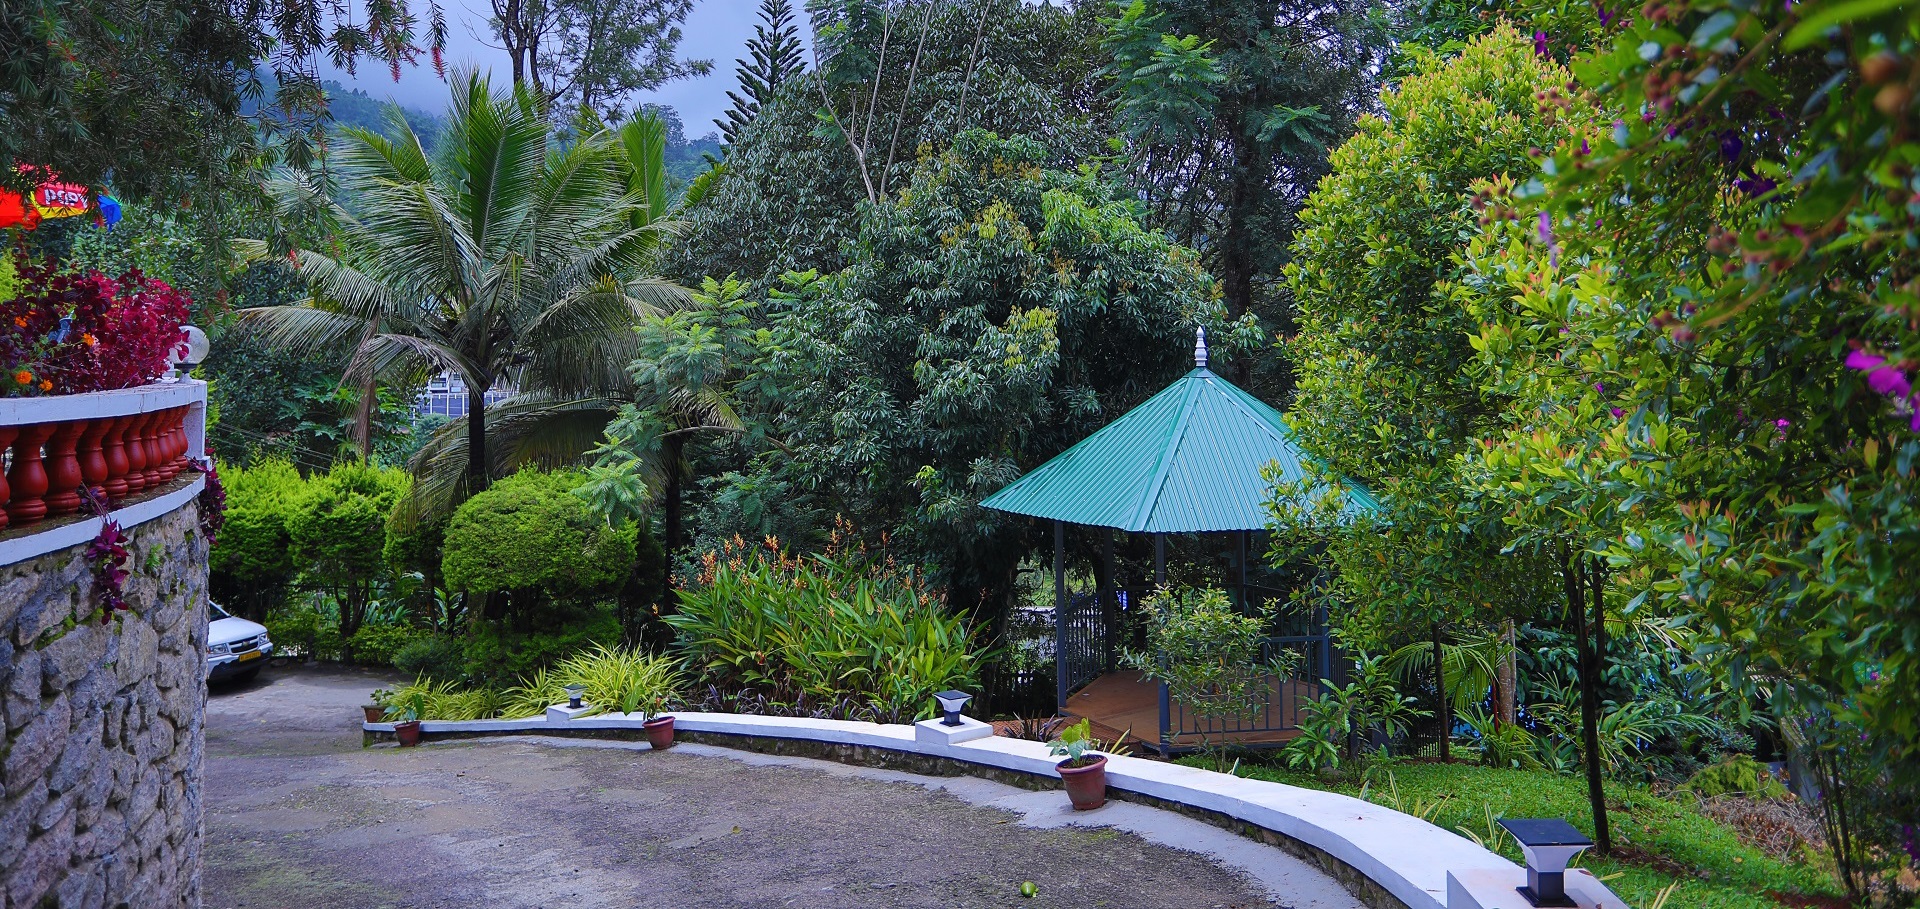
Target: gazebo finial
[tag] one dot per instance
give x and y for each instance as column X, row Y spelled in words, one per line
column 1200, row 348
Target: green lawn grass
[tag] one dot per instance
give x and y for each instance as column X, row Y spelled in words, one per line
column 1725, row 873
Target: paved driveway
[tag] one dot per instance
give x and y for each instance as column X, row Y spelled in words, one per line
column 299, row 815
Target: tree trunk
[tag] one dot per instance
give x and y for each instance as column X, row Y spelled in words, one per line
column 1506, row 676
column 1446, row 704
column 1573, row 568
column 1236, row 242
column 670, row 512
column 476, row 439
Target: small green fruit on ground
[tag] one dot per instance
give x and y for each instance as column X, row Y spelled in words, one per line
column 1029, row 889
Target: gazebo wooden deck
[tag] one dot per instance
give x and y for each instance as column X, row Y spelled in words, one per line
column 1123, row 704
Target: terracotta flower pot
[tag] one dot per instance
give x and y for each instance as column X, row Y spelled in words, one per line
column 659, row 732
column 375, row 712
column 1086, row 786
column 408, row 733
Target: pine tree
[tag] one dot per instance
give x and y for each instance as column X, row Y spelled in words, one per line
column 775, row 49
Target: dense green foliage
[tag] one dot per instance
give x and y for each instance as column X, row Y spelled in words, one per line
column 999, row 312
column 252, row 563
column 842, row 633
column 150, row 92
column 1381, row 357
column 337, row 531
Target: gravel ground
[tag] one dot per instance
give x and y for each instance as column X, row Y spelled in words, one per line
column 299, row 815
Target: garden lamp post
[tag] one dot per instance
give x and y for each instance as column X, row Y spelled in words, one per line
column 574, row 693
column 1549, row 844
column 190, row 352
column 951, row 703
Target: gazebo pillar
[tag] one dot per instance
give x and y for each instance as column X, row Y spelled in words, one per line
column 1060, row 613
column 1159, row 560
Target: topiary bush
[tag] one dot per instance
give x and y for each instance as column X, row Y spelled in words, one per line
column 1736, row 774
column 530, row 536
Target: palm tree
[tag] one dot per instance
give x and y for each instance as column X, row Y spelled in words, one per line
column 508, row 258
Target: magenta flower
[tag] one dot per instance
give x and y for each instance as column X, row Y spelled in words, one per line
column 1884, row 378
column 1617, row 412
column 1540, row 44
column 1544, row 227
column 1888, row 379
column 1783, row 422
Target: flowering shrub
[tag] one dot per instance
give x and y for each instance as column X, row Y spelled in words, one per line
column 68, row 333
column 212, row 500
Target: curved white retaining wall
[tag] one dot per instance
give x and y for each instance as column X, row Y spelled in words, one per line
column 1406, row 856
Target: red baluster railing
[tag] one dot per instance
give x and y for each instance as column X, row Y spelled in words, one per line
column 114, row 449
column 63, row 467
column 118, row 443
column 28, row 475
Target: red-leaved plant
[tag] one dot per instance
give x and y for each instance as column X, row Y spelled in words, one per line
column 117, row 334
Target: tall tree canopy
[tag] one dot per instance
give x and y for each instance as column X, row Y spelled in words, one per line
column 892, row 79
column 150, row 91
column 1381, row 357
column 775, row 49
column 1230, row 108
column 594, row 55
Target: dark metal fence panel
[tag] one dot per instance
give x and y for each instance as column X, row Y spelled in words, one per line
column 1082, row 643
column 1281, row 698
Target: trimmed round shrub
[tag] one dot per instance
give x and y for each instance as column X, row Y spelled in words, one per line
column 530, row 532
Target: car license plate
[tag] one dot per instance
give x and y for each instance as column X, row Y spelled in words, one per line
column 250, row 655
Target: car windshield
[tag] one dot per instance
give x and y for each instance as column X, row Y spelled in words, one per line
column 215, row 613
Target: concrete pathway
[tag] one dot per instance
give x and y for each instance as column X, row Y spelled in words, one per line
column 299, row 815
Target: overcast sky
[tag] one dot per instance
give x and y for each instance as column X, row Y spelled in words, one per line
column 716, row 30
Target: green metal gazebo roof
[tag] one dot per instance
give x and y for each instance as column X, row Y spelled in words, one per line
column 1188, row 460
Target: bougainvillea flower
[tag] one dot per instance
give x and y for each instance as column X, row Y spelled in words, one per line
column 1884, row 378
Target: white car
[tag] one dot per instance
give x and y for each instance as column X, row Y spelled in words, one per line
column 236, row 648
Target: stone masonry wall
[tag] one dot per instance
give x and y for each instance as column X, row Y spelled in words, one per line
column 104, row 723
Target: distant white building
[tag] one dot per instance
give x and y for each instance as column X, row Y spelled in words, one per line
column 445, row 395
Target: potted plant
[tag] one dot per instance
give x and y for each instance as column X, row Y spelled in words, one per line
column 659, row 729
column 407, row 728
column 376, row 707
column 1084, row 771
